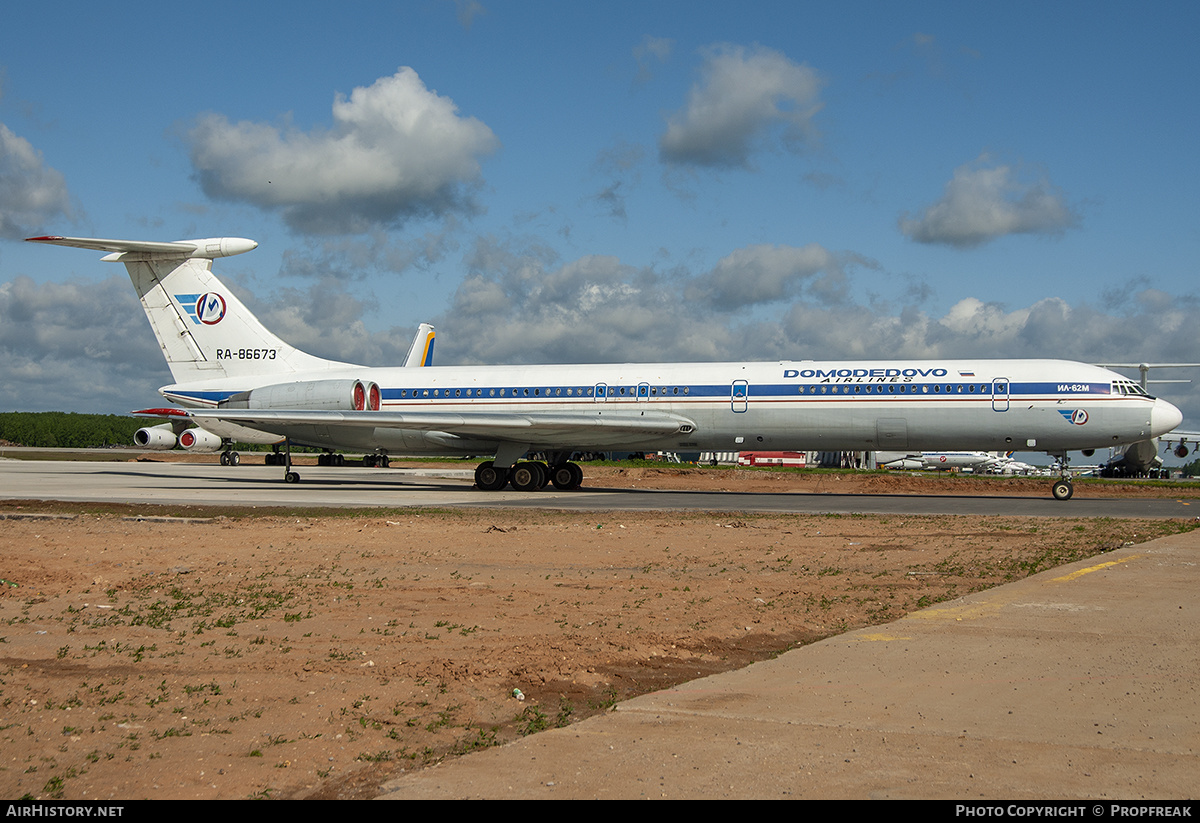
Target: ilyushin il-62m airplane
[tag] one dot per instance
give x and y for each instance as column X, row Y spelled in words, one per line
column 234, row 376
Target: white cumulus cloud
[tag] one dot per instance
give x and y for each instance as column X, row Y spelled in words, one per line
column 396, row 150
column 79, row 346
column 733, row 110
column 767, row 274
column 31, row 193
column 982, row 203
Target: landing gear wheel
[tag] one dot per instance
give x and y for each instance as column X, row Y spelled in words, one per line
column 369, row 461
column 489, row 478
column 566, row 476
column 527, row 477
column 1062, row 489
column 234, row 458
column 224, row 459
column 291, row 477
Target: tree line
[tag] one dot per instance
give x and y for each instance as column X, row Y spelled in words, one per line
column 69, row 430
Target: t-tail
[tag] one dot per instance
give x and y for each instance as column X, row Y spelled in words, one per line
column 204, row 331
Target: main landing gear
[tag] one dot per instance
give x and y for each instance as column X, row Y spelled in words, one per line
column 528, row 476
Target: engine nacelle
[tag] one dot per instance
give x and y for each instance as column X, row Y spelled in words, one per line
column 155, row 437
column 212, row 247
column 310, row 395
column 198, row 440
column 904, row 463
column 1181, row 450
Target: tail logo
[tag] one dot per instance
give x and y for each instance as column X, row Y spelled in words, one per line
column 210, row 308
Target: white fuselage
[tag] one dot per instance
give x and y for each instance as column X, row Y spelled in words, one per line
column 1043, row 405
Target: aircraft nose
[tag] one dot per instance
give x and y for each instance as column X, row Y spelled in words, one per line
column 1164, row 417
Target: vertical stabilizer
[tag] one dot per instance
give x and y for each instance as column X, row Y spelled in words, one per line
column 204, row 331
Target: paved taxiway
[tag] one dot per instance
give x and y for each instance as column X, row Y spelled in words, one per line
column 247, row 485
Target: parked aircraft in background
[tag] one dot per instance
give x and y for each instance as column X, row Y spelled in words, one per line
column 980, row 462
column 1008, row 465
column 230, row 370
column 1142, row 458
column 974, row 461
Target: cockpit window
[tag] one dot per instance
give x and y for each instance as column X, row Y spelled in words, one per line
column 1127, row 388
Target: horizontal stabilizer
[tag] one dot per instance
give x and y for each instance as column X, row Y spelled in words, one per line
column 207, row 249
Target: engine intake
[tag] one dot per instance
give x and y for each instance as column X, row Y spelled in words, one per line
column 199, row 440
column 161, row 437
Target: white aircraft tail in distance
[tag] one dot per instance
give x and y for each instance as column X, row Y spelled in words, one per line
column 421, row 351
column 230, row 370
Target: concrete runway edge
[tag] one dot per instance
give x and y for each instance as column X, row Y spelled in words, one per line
column 1079, row 682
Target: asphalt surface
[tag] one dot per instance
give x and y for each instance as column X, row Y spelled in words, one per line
column 250, row 485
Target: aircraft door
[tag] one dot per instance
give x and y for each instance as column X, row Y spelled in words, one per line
column 601, row 392
column 1000, row 391
column 739, row 396
column 891, row 433
column 643, row 391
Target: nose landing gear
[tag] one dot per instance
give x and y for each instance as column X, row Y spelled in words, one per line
column 1062, row 488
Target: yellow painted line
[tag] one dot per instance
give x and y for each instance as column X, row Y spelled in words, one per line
column 960, row 612
column 993, row 604
column 870, row 638
column 1090, row 569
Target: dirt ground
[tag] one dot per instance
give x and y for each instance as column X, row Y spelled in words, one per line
column 230, row 654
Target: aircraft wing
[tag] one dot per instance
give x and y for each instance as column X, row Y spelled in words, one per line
column 538, row 429
column 1184, row 439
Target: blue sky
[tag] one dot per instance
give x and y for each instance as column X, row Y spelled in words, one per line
column 560, row 182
